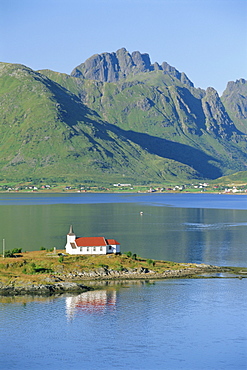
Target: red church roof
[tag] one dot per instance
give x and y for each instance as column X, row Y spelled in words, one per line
column 112, row 242
column 98, row 241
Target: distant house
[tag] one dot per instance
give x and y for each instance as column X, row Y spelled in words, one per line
column 90, row 245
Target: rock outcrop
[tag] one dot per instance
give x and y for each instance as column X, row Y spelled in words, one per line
column 60, row 283
column 104, row 273
column 234, row 99
column 112, row 67
column 217, row 120
column 42, row 289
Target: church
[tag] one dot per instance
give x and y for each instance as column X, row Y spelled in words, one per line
column 90, row 245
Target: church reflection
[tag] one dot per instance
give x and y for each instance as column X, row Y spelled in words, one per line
column 92, row 302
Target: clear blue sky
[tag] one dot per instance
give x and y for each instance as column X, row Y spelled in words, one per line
column 206, row 39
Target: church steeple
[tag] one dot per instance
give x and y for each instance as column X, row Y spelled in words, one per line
column 70, row 239
column 71, row 232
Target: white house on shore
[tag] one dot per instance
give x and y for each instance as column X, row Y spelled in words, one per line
column 90, row 245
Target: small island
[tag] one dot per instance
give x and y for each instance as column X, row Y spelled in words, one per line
column 55, row 272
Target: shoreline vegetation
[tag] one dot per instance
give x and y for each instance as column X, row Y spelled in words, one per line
column 55, row 272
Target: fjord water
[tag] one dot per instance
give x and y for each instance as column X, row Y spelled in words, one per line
column 192, row 324
column 171, row 324
column 201, row 228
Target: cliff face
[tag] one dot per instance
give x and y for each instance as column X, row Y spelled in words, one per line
column 112, row 67
column 234, row 99
column 217, row 119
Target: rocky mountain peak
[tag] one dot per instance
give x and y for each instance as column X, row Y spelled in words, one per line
column 235, row 85
column 112, row 67
column 217, row 119
column 234, row 99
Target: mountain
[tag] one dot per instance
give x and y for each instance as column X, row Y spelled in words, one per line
column 234, row 99
column 238, row 178
column 117, row 116
column 112, row 67
column 47, row 132
column 158, row 111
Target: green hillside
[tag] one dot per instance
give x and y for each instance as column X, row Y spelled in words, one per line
column 47, row 132
column 131, row 121
column 236, row 178
column 167, row 118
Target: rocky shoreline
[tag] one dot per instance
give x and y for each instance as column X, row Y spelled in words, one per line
column 140, row 273
column 72, row 282
column 42, row 289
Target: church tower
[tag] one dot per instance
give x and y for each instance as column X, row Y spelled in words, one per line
column 70, row 239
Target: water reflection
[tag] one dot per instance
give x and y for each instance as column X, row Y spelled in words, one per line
column 173, row 324
column 96, row 302
column 25, row 299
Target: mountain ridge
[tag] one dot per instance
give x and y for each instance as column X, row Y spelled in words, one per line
column 146, row 125
column 111, row 67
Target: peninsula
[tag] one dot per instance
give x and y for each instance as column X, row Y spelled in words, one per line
column 45, row 272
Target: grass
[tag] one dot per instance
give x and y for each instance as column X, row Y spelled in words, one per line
column 41, row 267
column 36, row 266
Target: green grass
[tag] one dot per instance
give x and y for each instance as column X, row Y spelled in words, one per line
column 36, row 266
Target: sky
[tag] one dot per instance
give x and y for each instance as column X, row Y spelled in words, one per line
column 206, row 39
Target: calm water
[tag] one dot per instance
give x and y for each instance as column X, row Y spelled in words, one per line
column 201, row 228
column 171, row 324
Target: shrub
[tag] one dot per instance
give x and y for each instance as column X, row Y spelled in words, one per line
column 42, row 248
column 60, row 259
column 129, row 254
column 49, row 250
column 8, row 254
column 11, row 253
column 16, row 250
column 119, row 267
column 150, row 262
column 32, row 268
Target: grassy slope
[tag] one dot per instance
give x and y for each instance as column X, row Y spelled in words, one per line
column 150, row 129
column 37, row 266
column 41, row 267
column 236, row 178
column 47, row 132
column 159, row 106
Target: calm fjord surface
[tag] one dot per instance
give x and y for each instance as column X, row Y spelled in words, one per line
column 188, row 324
column 201, row 228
